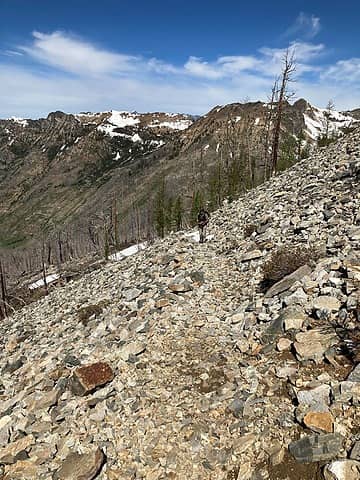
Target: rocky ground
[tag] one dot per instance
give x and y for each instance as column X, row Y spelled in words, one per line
column 182, row 363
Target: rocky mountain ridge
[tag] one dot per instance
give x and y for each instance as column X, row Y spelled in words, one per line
column 59, row 170
column 181, row 362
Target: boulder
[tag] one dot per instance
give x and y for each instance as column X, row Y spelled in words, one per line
column 342, row 470
column 84, row 466
column 288, row 281
column 89, row 377
column 316, row 448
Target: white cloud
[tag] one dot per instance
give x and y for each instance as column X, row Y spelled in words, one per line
column 344, row 71
column 197, row 67
column 102, row 80
column 305, row 26
column 71, row 54
column 11, row 53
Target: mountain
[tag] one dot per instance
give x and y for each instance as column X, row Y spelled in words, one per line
column 224, row 360
column 66, row 169
column 355, row 113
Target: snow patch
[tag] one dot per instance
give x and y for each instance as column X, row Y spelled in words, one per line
column 316, row 120
column 137, row 138
column 40, row 283
column 20, row 121
column 195, row 236
column 157, row 143
column 118, row 119
column 128, row 252
column 175, row 125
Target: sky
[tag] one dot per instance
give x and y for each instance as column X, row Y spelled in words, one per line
column 171, row 55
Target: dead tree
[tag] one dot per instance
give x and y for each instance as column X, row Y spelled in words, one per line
column 3, row 310
column 330, row 107
column 43, row 250
column 269, row 116
column 115, row 222
column 289, row 67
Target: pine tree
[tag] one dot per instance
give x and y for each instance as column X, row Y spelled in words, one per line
column 178, row 213
column 197, row 203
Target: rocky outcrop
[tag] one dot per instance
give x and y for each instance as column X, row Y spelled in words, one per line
column 194, row 371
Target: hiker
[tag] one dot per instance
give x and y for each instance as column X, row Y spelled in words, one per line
column 203, row 220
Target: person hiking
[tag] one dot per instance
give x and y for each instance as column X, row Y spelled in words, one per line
column 203, row 220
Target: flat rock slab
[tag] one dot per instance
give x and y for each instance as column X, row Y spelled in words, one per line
column 87, row 378
column 81, row 466
column 21, row 470
column 355, row 451
column 46, row 401
column 319, row 421
column 312, row 345
column 132, row 294
column 131, row 349
column 342, row 470
column 294, row 318
column 246, row 257
column 180, row 287
column 316, row 448
column 355, row 374
column 288, row 281
column 8, row 454
column 316, row 397
column 325, row 302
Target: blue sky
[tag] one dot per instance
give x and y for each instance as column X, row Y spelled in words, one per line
column 185, row 56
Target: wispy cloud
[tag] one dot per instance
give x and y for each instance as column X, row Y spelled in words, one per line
column 344, row 71
column 68, row 53
column 305, row 26
column 83, row 76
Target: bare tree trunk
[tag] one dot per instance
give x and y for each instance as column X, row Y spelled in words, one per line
column 3, row 291
column 286, row 76
column 268, row 124
column 60, row 247
column 115, row 221
column 44, row 269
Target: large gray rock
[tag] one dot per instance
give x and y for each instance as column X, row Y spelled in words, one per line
column 316, row 448
column 312, row 345
column 325, row 302
column 294, row 318
column 288, row 281
column 354, row 374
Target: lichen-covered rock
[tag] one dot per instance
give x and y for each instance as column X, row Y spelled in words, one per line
column 89, row 377
column 319, row 421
